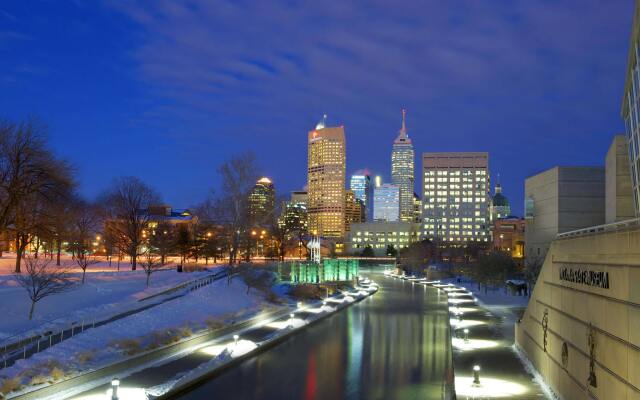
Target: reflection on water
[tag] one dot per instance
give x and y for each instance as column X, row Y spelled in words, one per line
column 389, row 346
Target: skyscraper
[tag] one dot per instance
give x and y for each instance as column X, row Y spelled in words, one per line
column 631, row 107
column 326, row 175
column 402, row 166
column 386, row 203
column 262, row 200
column 363, row 190
column 354, row 209
column 455, row 201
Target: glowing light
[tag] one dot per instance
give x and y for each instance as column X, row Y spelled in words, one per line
column 467, row 323
column 488, row 387
column 461, row 301
column 473, row 344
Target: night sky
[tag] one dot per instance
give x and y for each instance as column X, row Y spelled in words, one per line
column 166, row 90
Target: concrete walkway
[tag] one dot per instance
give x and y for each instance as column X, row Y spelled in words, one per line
column 483, row 336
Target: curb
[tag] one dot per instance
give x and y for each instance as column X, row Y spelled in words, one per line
column 197, row 379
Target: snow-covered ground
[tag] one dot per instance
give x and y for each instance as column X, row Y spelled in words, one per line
column 493, row 296
column 102, row 294
column 216, row 303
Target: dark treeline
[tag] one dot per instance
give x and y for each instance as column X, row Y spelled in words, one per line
column 44, row 216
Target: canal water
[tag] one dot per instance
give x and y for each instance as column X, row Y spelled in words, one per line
column 392, row 345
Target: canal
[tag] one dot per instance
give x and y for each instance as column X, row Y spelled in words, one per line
column 393, row 345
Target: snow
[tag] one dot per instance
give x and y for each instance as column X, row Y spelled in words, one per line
column 103, row 294
column 216, row 300
column 493, row 296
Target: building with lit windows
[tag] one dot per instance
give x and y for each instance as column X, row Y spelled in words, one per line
column 262, row 201
column 455, row 197
column 362, row 187
column 417, row 209
column 326, row 173
column 380, row 235
column 353, row 210
column 402, row 171
column 508, row 236
column 500, row 207
column 293, row 219
column 581, row 328
column 386, row 203
column 631, row 110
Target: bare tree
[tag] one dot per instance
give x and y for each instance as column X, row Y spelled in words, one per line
column 126, row 205
column 85, row 224
column 162, row 240
column 150, row 264
column 238, row 176
column 532, row 266
column 42, row 280
column 29, row 176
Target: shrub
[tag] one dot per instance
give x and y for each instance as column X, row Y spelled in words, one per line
column 85, row 357
column 306, row 292
column 213, row 323
column 38, row 380
column 9, row 385
column 57, row 373
column 128, row 346
column 185, row 331
column 273, row 298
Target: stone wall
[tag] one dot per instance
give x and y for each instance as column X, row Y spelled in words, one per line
column 568, row 306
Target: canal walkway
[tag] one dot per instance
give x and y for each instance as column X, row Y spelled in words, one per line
column 483, row 340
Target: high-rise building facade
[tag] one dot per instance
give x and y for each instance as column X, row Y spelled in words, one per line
column 326, row 175
column 262, row 201
column 293, row 219
column 631, row 108
column 455, row 197
column 386, row 203
column 353, row 209
column 402, row 171
column 361, row 186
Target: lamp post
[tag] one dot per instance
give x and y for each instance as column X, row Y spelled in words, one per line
column 466, row 335
column 235, row 340
column 291, row 320
column 476, row 375
column 115, row 382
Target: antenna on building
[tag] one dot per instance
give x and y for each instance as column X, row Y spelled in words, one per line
column 403, row 129
column 323, row 122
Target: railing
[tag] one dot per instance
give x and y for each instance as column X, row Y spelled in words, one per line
column 592, row 230
column 15, row 348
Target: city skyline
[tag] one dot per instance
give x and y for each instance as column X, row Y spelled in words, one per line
column 99, row 74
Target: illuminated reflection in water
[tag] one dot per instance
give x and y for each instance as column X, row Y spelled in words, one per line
column 389, row 346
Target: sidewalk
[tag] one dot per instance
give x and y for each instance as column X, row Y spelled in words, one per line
column 483, row 336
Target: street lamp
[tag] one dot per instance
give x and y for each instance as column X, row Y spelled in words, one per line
column 235, row 340
column 291, row 320
column 476, row 375
column 466, row 335
column 115, row 382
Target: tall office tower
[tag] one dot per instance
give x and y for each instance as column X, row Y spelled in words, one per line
column 417, row 209
column 402, row 157
column 353, row 209
column 455, row 200
column 363, row 190
column 293, row 220
column 631, row 108
column 386, row 203
column 326, row 180
column 262, row 201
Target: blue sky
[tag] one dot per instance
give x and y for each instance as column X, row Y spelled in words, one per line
column 166, row 90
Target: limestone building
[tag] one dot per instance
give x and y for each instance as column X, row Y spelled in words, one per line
column 559, row 200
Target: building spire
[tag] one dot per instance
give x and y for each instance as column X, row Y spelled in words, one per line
column 323, row 122
column 403, row 130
